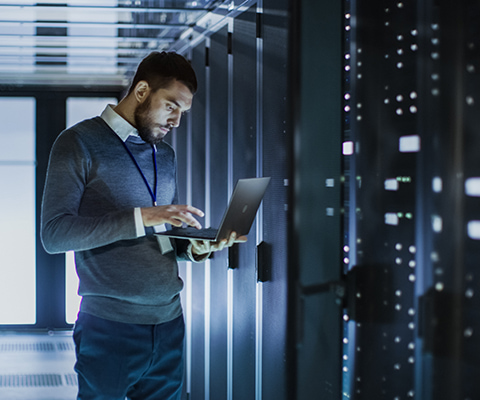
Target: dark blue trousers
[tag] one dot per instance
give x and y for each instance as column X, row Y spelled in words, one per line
column 139, row 362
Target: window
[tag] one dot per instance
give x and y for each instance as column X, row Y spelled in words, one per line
column 17, row 211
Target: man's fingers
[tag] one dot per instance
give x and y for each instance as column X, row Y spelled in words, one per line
column 175, row 222
column 175, row 215
column 231, row 240
column 194, row 210
column 180, row 220
column 183, row 214
column 234, row 239
column 201, row 246
column 186, row 216
column 204, row 247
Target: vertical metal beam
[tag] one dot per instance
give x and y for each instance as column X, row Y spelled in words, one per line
column 188, row 278
column 50, row 268
column 259, row 220
column 207, row 222
column 350, row 346
column 230, row 189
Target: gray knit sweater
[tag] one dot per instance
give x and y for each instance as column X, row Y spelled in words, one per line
column 91, row 190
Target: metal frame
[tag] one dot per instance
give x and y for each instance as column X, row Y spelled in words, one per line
column 133, row 31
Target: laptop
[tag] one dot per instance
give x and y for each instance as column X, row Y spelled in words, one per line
column 238, row 217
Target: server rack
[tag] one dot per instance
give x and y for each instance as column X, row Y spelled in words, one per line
column 413, row 83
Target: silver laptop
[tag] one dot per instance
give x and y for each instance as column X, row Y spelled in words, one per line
column 238, row 217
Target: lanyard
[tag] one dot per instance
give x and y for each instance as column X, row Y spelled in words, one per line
column 153, row 192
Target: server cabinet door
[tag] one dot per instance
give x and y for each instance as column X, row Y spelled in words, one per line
column 218, row 145
column 317, row 201
column 197, row 164
column 244, row 158
column 276, row 141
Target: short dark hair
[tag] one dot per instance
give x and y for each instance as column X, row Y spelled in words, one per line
column 159, row 69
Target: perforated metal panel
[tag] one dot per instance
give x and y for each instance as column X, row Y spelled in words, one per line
column 30, row 380
column 450, row 324
column 386, row 145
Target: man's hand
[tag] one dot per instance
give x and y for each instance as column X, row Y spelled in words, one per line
column 202, row 247
column 172, row 214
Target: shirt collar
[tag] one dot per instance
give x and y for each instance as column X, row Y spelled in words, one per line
column 117, row 123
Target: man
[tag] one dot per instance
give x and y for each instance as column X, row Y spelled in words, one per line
column 101, row 201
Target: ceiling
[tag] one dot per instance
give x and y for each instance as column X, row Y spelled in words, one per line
column 96, row 42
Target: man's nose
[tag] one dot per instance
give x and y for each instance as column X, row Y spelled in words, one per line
column 174, row 119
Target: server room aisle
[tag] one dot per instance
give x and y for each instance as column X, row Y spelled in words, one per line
column 37, row 366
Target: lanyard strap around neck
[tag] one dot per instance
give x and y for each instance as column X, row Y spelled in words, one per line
column 153, row 192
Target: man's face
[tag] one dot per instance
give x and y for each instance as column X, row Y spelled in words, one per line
column 162, row 111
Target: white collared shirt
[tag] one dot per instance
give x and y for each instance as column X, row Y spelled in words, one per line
column 119, row 125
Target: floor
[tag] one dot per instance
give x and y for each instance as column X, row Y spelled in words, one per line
column 37, row 366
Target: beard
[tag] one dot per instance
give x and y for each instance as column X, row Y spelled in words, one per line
column 146, row 125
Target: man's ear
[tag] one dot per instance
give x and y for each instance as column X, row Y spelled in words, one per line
column 142, row 89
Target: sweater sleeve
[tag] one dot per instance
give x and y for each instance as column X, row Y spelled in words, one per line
column 62, row 228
